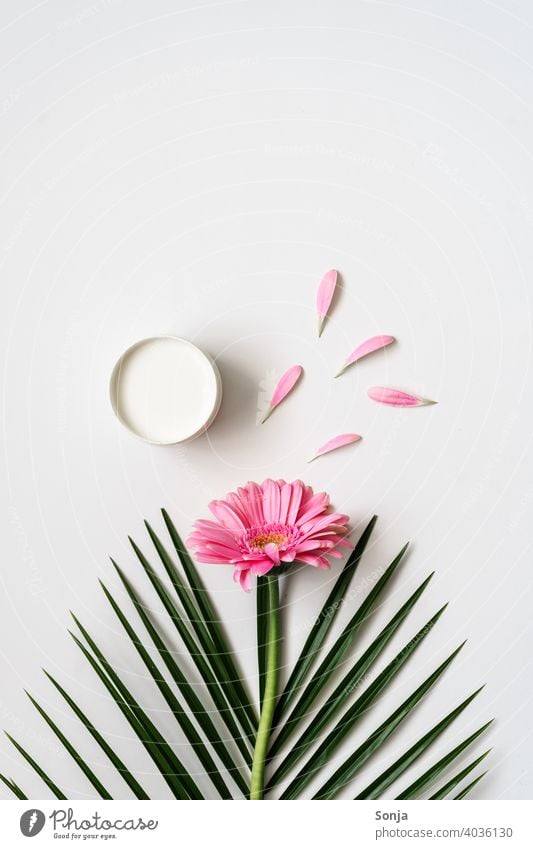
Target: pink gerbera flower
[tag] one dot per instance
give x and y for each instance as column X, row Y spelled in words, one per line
column 262, row 526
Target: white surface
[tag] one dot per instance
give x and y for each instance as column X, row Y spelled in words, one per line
column 194, row 171
column 164, row 390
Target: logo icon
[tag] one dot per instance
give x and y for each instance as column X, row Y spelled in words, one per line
column 32, row 822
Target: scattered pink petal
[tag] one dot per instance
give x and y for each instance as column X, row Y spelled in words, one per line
column 366, row 348
column 336, row 442
column 324, row 297
column 285, row 385
column 397, row 398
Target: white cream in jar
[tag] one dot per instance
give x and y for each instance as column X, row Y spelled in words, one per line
column 165, row 390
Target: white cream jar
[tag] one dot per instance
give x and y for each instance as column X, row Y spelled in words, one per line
column 165, row 390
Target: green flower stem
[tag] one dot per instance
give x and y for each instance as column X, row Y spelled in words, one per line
column 257, row 783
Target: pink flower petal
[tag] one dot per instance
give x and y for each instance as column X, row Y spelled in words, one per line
column 244, row 577
column 335, row 554
column 308, row 494
column 320, row 562
column 215, row 549
column 262, row 567
column 376, row 343
column 326, row 290
column 272, row 551
column 271, row 500
column 226, row 516
column 237, row 506
column 285, row 500
column 312, row 545
column 397, row 398
column 296, row 499
column 252, row 496
column 313, row 506
column 212, row 531
column 285, row 385
column 203, row 557
column 310, row 527
column 337, row 442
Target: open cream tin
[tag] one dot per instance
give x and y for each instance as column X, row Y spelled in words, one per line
column 165, row 390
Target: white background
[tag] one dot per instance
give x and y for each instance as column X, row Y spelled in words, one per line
column 195, row 170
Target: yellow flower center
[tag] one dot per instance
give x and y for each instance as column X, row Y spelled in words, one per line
column 265, row 539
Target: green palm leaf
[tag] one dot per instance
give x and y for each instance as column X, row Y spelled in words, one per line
column 334, row 657
column 15, row 789
column 221, row 691
column 73, row 752
column 453, row 782
column 347, row 686
column 207, row 610
column 347, row 770
column 320, row 758
column 182, row 718
column 228, row 680
column 198, row 658
column 173, row 772
column 466, row 790
column 38, row 769
column 403, row 763
column 322, row 625
column 119, row 765
column 199, row 711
